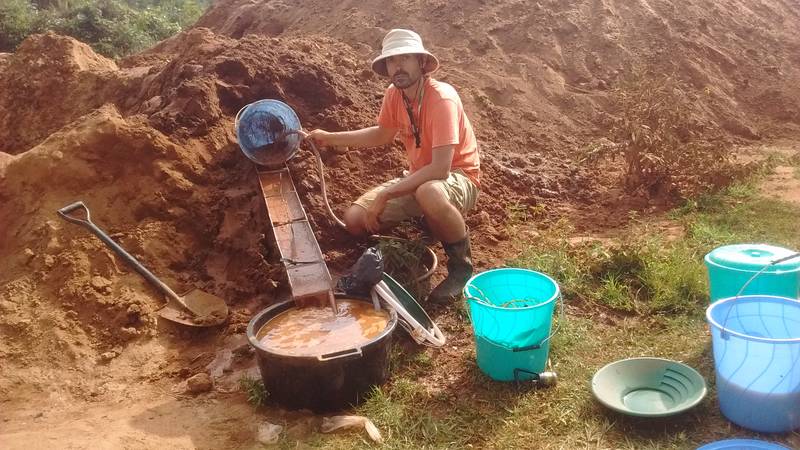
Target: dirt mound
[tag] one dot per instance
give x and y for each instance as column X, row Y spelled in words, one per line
column 550, row 62
column 48, row 82
column 157, row 165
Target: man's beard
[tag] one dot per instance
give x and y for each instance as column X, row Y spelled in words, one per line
column 403, row 81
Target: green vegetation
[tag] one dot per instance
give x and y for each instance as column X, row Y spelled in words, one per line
column 649, row 272
column 406, row 261
column 254, row 388
column 114, row 28
column 667, row 151
column 644, row 274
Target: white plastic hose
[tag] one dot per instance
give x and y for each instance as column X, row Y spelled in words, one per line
column 322, row 183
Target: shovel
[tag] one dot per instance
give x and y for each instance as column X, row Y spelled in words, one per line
column 194, row 308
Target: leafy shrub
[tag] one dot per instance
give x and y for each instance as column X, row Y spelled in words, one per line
column 666, row 149
column 17, row 20
column 114, row 28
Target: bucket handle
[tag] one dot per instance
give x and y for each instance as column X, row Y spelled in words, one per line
column 485, row 301
column 340, row 354
column 236, row 119
column 724, row 332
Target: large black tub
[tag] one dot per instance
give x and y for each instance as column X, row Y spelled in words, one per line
column 321, row 383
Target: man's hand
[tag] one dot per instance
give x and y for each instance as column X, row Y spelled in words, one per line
column 320, row 137
column 372, row 222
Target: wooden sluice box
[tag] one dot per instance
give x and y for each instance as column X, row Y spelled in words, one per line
column 309, row 279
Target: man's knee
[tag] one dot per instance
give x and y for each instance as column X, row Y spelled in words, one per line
column 354, row 220
column 430, row 196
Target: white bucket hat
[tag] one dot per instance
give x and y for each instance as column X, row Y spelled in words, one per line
column 403, row 42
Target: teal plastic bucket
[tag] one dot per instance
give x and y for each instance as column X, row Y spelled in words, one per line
column 756, row 343
column 732, row 266
column 512, row 314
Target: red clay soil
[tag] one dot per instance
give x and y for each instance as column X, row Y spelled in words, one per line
column 147, row 143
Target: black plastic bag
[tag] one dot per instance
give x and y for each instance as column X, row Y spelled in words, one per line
column 365, row 273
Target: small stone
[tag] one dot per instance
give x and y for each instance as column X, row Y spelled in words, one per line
column 548, row 193
column 243, row 350
column 501, row 235
column 129, row 332
column 96, row 391
column 29, row 254
column 484, row 218
column 108, row 356
column 49, row 261
column 199, row 383
column 191, row 70
column 100, row 284
column 303, row 428
column 151, row 105
column 519, row 161
column 268, row 433
column 6, row 306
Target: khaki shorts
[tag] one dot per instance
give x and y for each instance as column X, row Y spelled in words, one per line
column 459, row 189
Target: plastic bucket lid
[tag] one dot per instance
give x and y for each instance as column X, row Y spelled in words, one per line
column 753, row 258
column 742, row 444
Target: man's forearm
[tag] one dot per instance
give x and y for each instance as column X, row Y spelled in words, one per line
column 365, row 137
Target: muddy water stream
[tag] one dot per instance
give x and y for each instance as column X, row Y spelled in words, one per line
column 313, row 330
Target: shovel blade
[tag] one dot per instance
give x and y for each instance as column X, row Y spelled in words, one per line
column 209, row 310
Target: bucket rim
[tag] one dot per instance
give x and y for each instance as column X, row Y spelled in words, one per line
column 714, row 323
column 556, row 295
column 710, row 262
column 287, row 112
column 251, row 332
column 741, row 443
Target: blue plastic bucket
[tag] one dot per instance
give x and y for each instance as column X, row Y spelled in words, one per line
column 730, row 267
column 756, row 342
column 267, row 131
column 742, row 444
column 511, row 312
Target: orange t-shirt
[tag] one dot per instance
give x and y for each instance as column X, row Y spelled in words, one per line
column 443, row 123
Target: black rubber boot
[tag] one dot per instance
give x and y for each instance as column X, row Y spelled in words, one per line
column 459, row 271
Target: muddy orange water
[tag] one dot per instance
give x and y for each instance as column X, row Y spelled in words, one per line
column 312, row 331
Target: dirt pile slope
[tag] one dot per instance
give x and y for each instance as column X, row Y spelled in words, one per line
column 546, row 65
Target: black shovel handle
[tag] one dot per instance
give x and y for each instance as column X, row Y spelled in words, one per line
column 133, row 262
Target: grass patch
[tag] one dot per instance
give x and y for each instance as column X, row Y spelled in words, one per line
column 644, row 275
column 739, row 218
column 254, row 389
